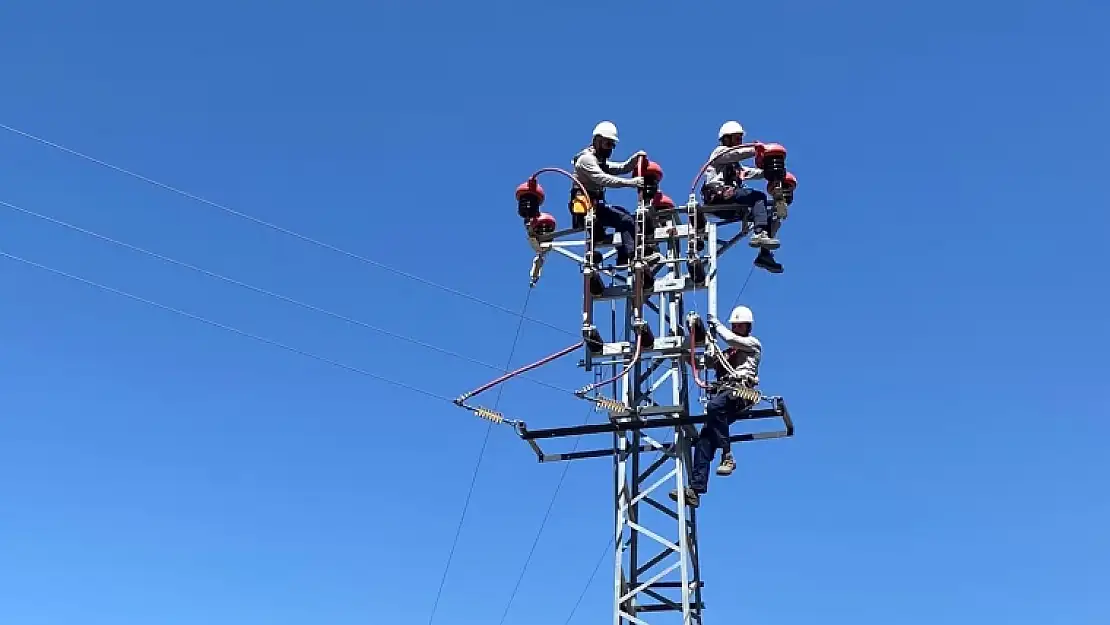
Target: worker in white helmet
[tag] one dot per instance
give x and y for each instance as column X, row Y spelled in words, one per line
column 743, row 355
column 596, row 172
column 724, row 184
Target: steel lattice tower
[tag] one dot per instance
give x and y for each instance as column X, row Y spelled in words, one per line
column 656, row 567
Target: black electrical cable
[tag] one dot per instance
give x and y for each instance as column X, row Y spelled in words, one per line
column 607, row 552
column 744, row 286
column 268, row 293
column 477, row 467
column 222, row 326
column 543, row 524
column 277, row 228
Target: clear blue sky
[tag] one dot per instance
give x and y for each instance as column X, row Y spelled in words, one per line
column 939, row 330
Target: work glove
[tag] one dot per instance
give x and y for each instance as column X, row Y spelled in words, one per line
column 637, row 182
column 640, row 154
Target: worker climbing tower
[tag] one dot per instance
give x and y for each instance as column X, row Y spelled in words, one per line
column 649, row 357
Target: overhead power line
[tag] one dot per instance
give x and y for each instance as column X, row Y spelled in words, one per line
column 477, row 468
column 743, row 286
column 543, row 525
column 272, row 294
column 605, row 554
column 281, row 229
column 222, row 326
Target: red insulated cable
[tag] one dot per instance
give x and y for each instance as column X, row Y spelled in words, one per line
column 701, row 171
column 627, row 368
column 512, row 374
column 577, row 183
column 566, row 173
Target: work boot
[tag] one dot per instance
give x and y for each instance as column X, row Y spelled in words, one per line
column 766, row 260
column 761, row 239
column 727, row 466
column 692, row 497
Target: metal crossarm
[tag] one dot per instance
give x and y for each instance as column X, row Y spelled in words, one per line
column 624, row 425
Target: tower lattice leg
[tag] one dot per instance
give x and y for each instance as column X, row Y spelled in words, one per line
column 656, row 574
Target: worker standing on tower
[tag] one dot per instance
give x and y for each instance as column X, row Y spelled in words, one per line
column 724, row 184
column 725, row 406
column 596, row 172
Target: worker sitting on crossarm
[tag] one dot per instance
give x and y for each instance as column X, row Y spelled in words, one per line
column 724, row 184
column 725, row 407
column 596, row 172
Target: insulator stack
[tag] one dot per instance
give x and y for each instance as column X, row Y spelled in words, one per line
column 698, row 328
column 489, row 415
column 772, row 160
column 697, row 272
column 594, row 342
column 661, row 200
column 744, row 392
column 653, row 175
column 788, row 185
column 529, row 199
column 611, row 405
column 543, row 223
column 597, row 285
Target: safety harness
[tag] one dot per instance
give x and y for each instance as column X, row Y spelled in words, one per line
column 729, row 380
column 576, row 204
column 732, row 180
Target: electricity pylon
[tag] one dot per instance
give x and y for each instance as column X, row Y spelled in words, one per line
column 657, row 572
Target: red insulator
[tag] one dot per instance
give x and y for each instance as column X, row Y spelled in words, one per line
column 544, row 223
column 774, row 148
column 772, row 160
column 662, row 200
column 531, row 186
column 789, row 183
column 652, row 174
column 529, row 199
column 765, row 150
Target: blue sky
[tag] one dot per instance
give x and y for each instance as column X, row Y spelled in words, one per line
column 938, row 331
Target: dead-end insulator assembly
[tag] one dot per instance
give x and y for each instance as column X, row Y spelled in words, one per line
column 743, row 392
column 482, row 412
column 489, row 415
column 610, row 405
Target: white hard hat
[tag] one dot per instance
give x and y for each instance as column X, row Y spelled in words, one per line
column 606, row 130
column 730, row 128
column 740, row 314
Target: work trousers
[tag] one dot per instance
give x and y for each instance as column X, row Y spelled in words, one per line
column 620, row 220
column 722, row 411
column 754, row 201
